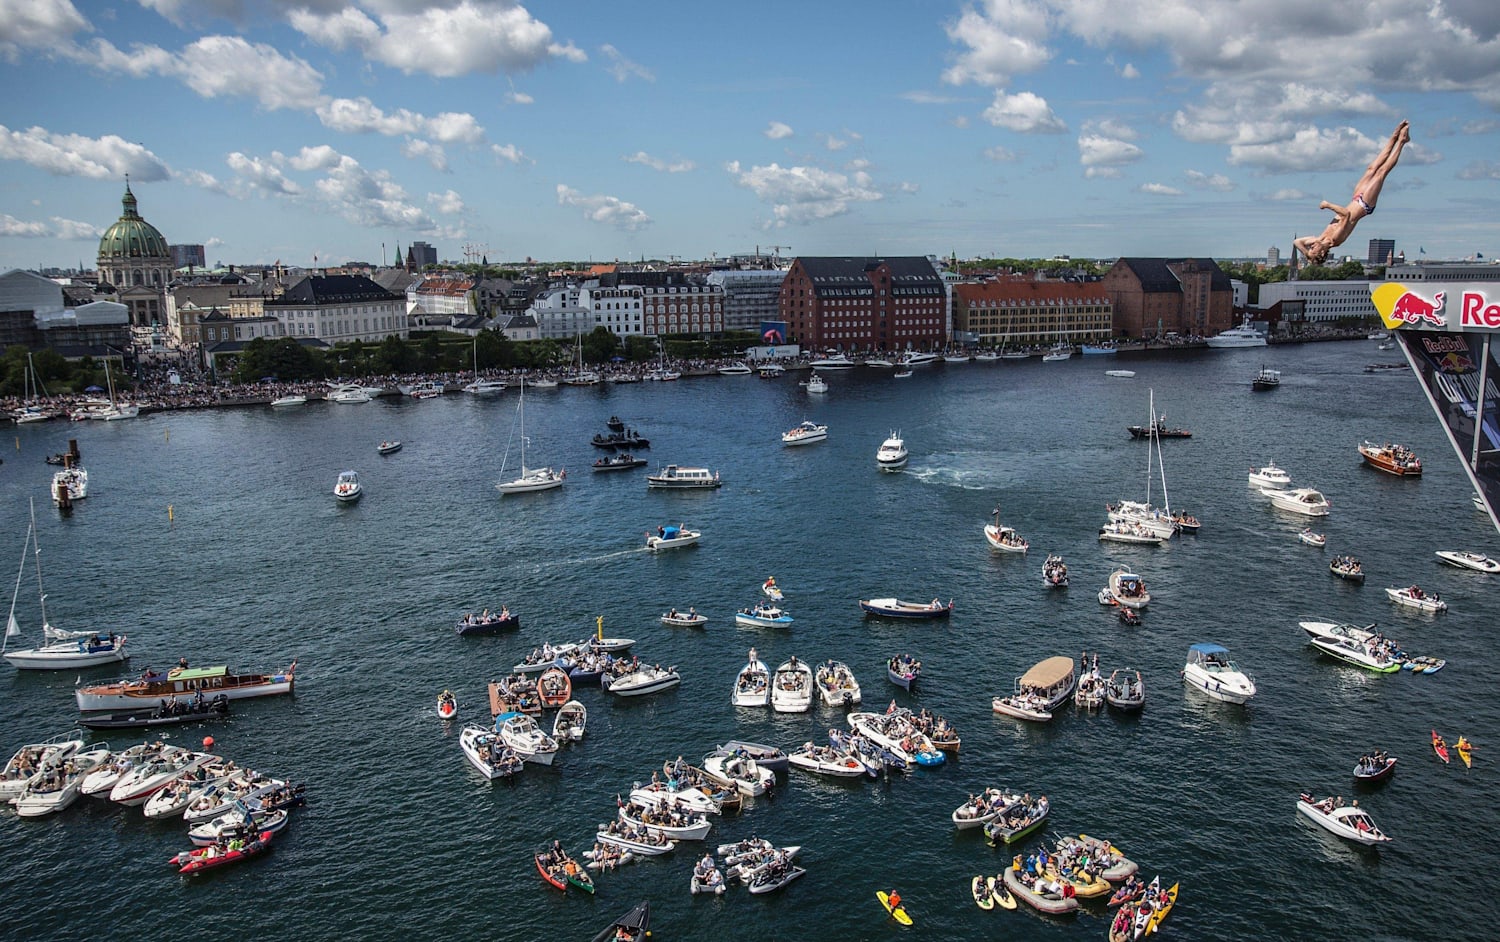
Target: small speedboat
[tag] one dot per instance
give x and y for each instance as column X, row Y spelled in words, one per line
column 521, row 734
column 836, row 684
column 1125, row 690
column 744, row 773
column 488, row 753
column 348, row 489
column 752, row 686
column 767, row 757
column 1312, row 539
column 56, row 787
column 236, row 822
column 1466, row 560
column 903, row 670
column 805, row 434
column 981, row 809
column 1418, row 598
column 1302, row 500
column 892, row 454
column 571, row 720
column 1350, row 822
column 645, row 680
column 825, row 760
column 792, row 687
column 669, row 537
column 388, row 448
column 1210, row 670
column 1347, row 568
column 220, row 855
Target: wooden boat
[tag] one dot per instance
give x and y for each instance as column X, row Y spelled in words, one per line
column 182, row 682
column 554, row 688
column 895, row 608
column 1347, row 568
column 1051, row 903
column 1392, row 459
column 634, row 926
column 233, row 851
column 488, row 622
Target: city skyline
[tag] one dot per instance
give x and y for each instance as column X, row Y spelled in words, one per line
column 318, row 131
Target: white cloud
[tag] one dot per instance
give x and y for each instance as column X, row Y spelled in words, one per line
column 908, row 187
column 261, row 174
column 999, row 154
column 200, row 179
column 213, row 242
column 1480, row 170
column 1102, row 173
column 928, row 98
column 1129, row 71
column 1287, row 195
column 418, row 149
column 622, row 68
column 370, row 198
column 441, row 39
column 1307, row 149
column 216, row 67
column 1159, row 189
column 73, row 229
column 449, row 203
column 804, row 194
column 776, row 130
column 1001, row 39
column 606, row 209
column 1024, row 112
column 834, row 143
column 509, row 153
column 520, row 98
column 26, row 24
column 359, row 115
column 1097, row 150
column 1209, row 181
column 16, row 228
column 656, row 163
column 1110, row 127
column 322, row 157
column 73, row 155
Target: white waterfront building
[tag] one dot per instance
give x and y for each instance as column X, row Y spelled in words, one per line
column 1323, row 300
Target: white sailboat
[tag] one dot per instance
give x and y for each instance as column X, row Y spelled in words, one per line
column 483, row 387
column 532, row 479
column 60, row 649
column 579, row 376
column 1158, row 522
column 33, row 410
column 116, row 410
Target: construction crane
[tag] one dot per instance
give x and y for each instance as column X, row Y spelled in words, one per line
column 777, row 249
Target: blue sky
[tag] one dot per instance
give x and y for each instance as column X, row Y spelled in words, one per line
column 288, row 129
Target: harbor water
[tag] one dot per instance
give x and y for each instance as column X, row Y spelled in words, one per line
column 256, row 564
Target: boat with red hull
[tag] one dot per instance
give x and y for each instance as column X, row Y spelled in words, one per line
column 1392, row 459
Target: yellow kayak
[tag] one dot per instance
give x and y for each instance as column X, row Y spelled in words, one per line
column 898, row 912
column 1162, row 909
column 1464, row 747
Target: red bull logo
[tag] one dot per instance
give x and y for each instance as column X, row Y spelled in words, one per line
column 1476, row 310
column 1399, row 305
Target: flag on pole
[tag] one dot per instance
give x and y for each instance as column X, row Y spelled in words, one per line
column 12, row 629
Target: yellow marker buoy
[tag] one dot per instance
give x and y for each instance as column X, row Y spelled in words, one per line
column 168, row 435
column 169, row 513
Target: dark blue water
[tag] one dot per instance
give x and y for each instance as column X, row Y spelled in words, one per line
column 258, row 565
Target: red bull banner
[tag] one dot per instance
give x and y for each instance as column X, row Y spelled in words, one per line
column 1451, row 337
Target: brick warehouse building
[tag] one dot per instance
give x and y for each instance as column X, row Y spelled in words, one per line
column 1019, row 310
column 1154, row 296
column 865, row 303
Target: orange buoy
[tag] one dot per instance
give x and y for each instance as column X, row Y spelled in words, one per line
column 208, row 742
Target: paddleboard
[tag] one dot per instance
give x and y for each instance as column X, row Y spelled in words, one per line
column 1439, row 747
column 1000, row 894
column 1464, row 747
column 981, row 893
column 898, row 913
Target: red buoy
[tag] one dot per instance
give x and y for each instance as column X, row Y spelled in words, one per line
column 208, row 742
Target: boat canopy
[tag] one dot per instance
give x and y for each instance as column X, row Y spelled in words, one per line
column 1048, row 673
column 1209, row 648
column 197, row 673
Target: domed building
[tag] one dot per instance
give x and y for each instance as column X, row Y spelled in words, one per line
column 134, row 260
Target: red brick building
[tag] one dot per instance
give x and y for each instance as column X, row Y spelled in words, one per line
column 865, row 303
column 1018, row 310
column 1155, row 296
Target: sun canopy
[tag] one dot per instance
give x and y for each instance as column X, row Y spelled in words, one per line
column 1049, row 673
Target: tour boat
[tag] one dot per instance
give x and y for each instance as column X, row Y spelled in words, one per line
column 1392, row 459
column 1415, row 597
column 763, row 616
column 805, row 434
column 892, row 454
column 1269, row 476
column 521, row 734
column 752, row 685
column 348, row 489
column 1237, row 337
column 647, row 679
column 1266, row 380
column 668, row 537
column 1462, row 559
column 1128, row 589
column 1301, row 500
column 183, row 682
column 1350, row 822
column 1050, row 681
column 1210, row 670
column 792, row 687
column 895, row 608
column 681, row 478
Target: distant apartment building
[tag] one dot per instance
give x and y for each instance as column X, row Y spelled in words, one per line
column 1019, row 310
column 865, row 303
column 1322, row 301
column 439, row 296
column 618, row 307
column 559, row 315
column 750, row 297
column 420, row 254
column 1273, row 257
column 1157, row 296
column 184, row 256
column 1381, row 252
column 1444, row 271
column 675, row 302
column 339, row 309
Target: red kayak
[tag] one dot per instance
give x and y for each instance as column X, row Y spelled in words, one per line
column 551, row 872
column 1439, row 747
column 219, row 855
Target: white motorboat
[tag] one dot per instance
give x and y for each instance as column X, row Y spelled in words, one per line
column 823, row 760
column 244, row 819
column 1350, row 822
column 1301, row 500
column 648, row 679
column 816, row 384
column 1022, row 707
column 892, row 454
column 919, row 358
column 836, row 684
column 792, row 687
column 296, row 399
column 103, row 778
column 669, row 537
column 770, row 370
column 138, row 785
column 1055, row 572
column 1313, row 539
column 185, row 790
column 636, row 842
column 1120, row 374
column 347, row 488
column 902, row 372
column 681, row 478
column 1236, row 337
column 763, row 615
column 35, row 757
column 1004, row 538
column 1153, row 520
column 805, row 434
column 660, row 796
column 691, row 827
column 531, row 480
column 1210, row 670
column 735, row 369
column 1466, row 560
column 486, row 751
column 58, row 786
column 873, row 726
column 834, row 361
column 521, row 734
column 747, row 777
column 752, row 686
column 348, row 394
column 485, row 387
column 1332, row 629
column 1129, row 531
column 982, row 808
column 1418, row 598
column 60, row 650
column 70, row 484
column 570, row 722
column 1371, row 655
column 875, row 363
column 213, row 801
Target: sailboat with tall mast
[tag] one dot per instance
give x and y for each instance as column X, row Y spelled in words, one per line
column 60, row 650
column 580, row 376
column 33, row 409
column 531, row 479
column 116, row 410
column 483, row 386
column 1157, row 521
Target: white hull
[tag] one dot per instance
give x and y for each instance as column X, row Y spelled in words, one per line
column 1464, row 560
column 1424, row 604
column 757, row 694
column 1335, row 823
column 1227, row 686
column 690, row 799
column 693, row 832
column 641, row 683
column 542, row 479
column 791, row 688
column 804, row 438
column 1305, row 501
column 843, row 767
column 64, row 657
column 688, row 538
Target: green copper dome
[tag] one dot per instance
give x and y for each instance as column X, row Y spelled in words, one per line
column 131, row 236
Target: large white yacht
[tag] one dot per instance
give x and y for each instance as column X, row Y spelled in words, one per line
column 892, row 454
column 836, row 361
column 1241, row 336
